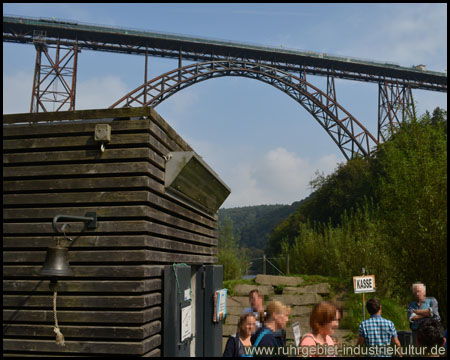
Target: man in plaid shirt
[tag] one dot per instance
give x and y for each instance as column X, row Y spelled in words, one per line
column 376, row 332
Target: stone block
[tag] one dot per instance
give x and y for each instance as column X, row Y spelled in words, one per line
column 244, row 289
column 228, row 330
column 292, row 300
column 278, row 280
column 232, row 320
column 235, row 310
column 238, row 301
column 322, row 288
column 304, row 321
column 300, row 310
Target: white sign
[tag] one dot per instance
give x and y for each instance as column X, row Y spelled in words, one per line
column 187, row 294
column 297, row 333
column 221, row 304
column 364, row 284
column 186, row 322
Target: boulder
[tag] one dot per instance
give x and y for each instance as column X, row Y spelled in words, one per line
column 228, row 330
column 238, row 301
column 291, row 300
column 244, row 289
column 278, row 280
column 300, row 311
column 235, row 310
column 322, row 288
column 232, row 319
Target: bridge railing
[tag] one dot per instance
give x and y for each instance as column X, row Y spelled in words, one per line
column 249, row 45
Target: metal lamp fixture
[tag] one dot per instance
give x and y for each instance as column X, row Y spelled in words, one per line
column 57, row 259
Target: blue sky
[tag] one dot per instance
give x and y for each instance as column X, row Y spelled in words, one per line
column 263, row 144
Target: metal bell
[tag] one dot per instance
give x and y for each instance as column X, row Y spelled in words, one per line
column 56, row 262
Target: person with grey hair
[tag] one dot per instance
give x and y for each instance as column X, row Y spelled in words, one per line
column 420, row 309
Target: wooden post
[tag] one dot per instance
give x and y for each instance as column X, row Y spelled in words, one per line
column 264, row 264
column 364, row 306
column 287, row 264
column 363, row 270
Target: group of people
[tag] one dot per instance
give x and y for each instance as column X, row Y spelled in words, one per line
column 258, row 326
column 426, row 329
column 265, row 328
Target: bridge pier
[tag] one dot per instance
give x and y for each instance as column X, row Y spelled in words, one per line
column 48, row 76
column 395, row 105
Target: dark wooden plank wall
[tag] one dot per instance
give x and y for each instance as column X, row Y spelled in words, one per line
column 113, row 303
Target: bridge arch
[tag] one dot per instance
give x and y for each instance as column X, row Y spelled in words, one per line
column 349, row 134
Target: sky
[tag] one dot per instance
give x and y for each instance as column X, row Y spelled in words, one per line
column 264, row 145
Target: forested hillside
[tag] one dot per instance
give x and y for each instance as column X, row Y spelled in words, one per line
column 386, row 213
column 253, row 224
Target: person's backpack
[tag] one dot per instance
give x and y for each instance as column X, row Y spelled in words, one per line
column 258, row 340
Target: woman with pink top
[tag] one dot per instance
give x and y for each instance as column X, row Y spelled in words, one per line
column 323, row 322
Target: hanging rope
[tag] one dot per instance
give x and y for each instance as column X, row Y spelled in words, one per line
column 59, row 335
column 174, row 267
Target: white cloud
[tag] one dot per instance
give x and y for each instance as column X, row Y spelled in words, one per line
column 405, row 34
column 99, row 93
column 277, row 177
column 184, row 101
column 17, row 92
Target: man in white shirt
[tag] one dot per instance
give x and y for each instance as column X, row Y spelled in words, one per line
column 256, row 307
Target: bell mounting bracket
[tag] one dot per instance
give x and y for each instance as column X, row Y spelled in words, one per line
column 90, row 220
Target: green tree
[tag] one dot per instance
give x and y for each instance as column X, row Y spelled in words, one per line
column 235, row 262
column 413, row 202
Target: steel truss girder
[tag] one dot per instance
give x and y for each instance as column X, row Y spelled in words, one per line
column 395, row 105
column 56, row 72
column 141, row 48
column 350, row 135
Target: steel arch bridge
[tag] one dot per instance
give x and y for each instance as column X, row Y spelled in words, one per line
column 285, row 69
column 349, row 134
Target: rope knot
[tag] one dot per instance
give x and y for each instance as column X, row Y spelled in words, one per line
column 59, row 335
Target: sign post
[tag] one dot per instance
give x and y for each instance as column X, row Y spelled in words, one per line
column 364, row 284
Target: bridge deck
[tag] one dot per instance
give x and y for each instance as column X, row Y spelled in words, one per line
column 22, row 29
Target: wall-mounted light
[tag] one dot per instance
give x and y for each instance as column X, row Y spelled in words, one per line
column 102, row 135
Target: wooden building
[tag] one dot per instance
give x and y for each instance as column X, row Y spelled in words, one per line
column 156, row 235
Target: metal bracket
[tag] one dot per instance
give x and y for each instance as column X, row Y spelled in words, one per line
column 102, row 135
column 203, row 277
column 186, row 341
column 90, row 220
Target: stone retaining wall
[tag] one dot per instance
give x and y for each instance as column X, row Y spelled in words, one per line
column 300, row 298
